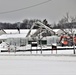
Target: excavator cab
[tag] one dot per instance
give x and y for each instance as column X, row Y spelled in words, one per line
column 64, row 40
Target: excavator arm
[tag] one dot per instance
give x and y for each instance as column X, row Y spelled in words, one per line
column 41, row 26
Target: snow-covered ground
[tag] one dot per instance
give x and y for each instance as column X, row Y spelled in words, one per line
column 4, row 47
column 43, row 52
column 37, row 65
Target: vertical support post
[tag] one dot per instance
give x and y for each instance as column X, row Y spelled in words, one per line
column 36, row 47
column 74, row 48
column 73, row 44
column 36, row 50
column 40, row 42
column 15, row 47
column 56, row 51
column 52, row 51
column 31, row 48
column 25, row 44
column 9, row 48
column 41, row 47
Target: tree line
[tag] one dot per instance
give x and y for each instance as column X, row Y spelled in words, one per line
column 66, row 22
column 25, row 24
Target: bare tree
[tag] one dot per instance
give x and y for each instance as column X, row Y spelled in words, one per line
column 67, row 20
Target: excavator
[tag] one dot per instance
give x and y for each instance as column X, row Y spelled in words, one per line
column 42, row 28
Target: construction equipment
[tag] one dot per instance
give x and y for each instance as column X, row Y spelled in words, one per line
column 42, row 28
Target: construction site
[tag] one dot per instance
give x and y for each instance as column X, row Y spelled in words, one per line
column 42, row 39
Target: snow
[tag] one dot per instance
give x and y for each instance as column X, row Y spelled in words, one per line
column 22, row 31
column 13, row 33
column 37, row 65
column 3, row 47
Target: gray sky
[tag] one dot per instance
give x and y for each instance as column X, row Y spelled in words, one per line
column 53, row 11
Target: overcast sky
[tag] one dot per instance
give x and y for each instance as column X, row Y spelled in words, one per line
column 53, row 11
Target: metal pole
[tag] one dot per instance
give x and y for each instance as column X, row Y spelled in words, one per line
column 74, row 48
column 41, row 46
column 40, row 42
column 15, row 47
column 25, row 44
column 73, row 43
